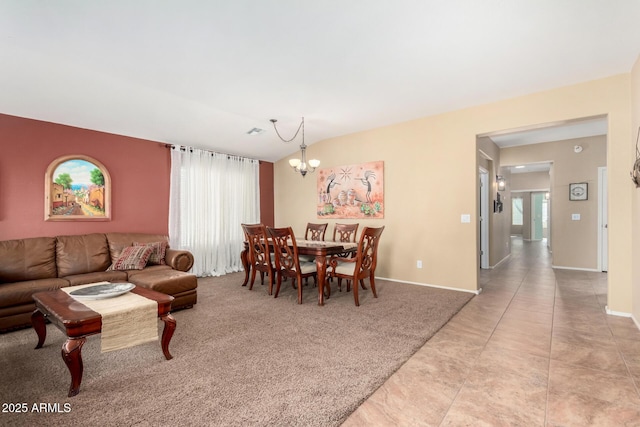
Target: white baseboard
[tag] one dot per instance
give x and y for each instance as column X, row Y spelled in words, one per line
column 618, row 313
column 477, row 292
column 501, row 261
column 560, row 267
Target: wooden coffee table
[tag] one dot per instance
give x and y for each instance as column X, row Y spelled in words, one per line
column 78, row 321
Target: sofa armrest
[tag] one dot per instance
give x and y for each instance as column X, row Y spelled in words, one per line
column 177, row 259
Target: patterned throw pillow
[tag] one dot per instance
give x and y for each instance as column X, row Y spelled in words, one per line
column 132, row 258
column 157, row 255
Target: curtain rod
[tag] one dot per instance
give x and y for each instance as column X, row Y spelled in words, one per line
column 185, row 148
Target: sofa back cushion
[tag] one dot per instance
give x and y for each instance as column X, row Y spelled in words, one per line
column 81, row 254
column 118, row 241
column 27, row 259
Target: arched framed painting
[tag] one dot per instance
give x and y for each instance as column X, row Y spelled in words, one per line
column 77, row 188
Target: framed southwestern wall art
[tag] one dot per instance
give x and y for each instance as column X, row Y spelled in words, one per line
column 351, row 191
column 77, row 188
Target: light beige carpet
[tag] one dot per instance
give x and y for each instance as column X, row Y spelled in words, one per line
column 241, row 358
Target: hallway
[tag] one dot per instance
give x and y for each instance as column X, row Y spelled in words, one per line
column 535, row 348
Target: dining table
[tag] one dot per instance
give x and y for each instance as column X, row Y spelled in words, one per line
column 319, row 249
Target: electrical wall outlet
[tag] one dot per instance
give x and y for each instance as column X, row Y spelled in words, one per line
column 419, row 264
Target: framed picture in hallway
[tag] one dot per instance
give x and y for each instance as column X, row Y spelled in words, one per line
column 497, row 204
column 579, row 191
column 77, row 188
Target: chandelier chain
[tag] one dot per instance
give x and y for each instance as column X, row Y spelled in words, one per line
column 294, row 136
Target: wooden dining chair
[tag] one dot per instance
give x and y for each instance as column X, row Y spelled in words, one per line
column 362, row 266
column 315, row 231
column 288, row 264
column 345, row 232
column 260, row 257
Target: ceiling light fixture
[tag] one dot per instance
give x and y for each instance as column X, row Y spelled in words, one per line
column 299, row 165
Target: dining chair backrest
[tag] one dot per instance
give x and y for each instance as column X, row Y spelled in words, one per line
column 367, row 254
column 256, row 235
column 288, row 263
column 345, row 232
column 285, row 248
column 259, row 256
column 315, row 231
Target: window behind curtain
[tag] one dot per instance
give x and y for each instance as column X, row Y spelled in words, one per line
column 211, row 195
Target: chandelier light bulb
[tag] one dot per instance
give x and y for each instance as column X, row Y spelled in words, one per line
column 294, row 163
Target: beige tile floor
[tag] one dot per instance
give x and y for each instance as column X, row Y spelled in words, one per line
column 535, row 348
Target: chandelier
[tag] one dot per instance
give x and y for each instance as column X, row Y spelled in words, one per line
column 301, row 165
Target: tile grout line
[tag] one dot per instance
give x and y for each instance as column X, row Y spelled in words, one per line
column 485, row 344
column 553, row 320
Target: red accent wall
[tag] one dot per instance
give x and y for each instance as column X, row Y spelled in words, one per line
column 267, row 216
column 140, row 179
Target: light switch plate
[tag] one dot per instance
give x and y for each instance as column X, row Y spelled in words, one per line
column 575, row 217
column 465, row 218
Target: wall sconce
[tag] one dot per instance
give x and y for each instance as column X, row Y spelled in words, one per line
column 502, row 184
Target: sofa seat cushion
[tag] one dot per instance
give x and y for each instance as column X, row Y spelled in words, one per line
column 20, row 292
column 148, row 269
column 82, row 254
column 98, row 276
column 27, row 259
column 165, row 280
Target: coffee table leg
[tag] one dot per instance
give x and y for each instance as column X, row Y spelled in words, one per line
column 38, row 323
column 72, row 357
column 167, row 333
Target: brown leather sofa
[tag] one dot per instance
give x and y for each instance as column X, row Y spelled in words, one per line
column 38, row 264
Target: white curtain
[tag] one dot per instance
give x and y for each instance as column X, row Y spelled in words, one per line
column 211, row 195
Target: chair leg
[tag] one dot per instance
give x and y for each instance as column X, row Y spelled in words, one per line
column 299, row 291
column 271, row 280
column 327, row 288
column 279, row 281
column 355, row 295
column 362, row 284
column 372, row 281
column 262, row 277
column 253, row 278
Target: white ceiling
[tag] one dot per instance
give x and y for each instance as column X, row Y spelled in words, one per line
column 203, row 73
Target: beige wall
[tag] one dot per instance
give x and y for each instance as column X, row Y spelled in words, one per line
column 575, row 242
column 431, row 178
column 530, row 181
column 635, row 129
column 499, row 233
